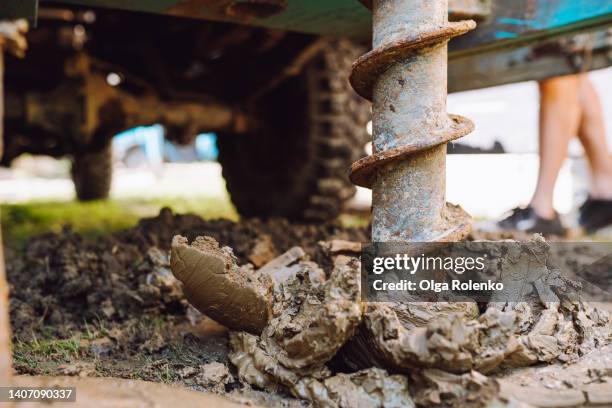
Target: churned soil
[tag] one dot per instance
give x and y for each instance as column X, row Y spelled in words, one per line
column 110, row 307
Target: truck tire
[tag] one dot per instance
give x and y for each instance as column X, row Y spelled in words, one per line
column 92, row 173
column 310, row 129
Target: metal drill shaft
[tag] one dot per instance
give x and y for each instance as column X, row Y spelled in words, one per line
column 405, row 76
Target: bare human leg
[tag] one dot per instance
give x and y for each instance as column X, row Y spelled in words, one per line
column 560, row 113
column 592, row 135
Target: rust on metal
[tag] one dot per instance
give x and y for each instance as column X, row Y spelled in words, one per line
column 369, row 66
column 110, row 109
column 363, row 171
column 405, row 76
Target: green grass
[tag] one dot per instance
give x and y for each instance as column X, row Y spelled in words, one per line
column 354, row 220
column 92, row 219
column 56, row 350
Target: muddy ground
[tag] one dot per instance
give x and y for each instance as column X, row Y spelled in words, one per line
column 104, row 307
column 109, row 307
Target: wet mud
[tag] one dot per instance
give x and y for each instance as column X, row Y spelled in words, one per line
column 270, row 313
column 439, row 346
column 111, row 306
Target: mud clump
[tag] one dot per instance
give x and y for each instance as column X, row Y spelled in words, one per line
column 440, row 388
column 211, row 277
column 444, row 348
column 215, row 375
column 310, row 324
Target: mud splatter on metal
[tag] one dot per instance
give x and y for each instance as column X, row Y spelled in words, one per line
column 405, row 77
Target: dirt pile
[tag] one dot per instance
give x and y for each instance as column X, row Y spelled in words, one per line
column 60, row 281
column 314, row 318
column 112, row 307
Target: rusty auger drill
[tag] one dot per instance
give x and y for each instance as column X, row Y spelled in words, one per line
column 405, row 77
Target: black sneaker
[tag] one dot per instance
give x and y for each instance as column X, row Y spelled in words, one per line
column 526, row 220
column 595, row 214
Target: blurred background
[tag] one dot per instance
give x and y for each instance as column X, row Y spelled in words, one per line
column 488, row 172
